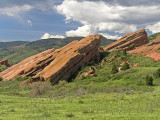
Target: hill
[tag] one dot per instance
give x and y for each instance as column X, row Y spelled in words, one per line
column 16, row 55
column 12, row 44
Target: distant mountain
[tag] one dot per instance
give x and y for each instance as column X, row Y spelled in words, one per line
column 31, row 48
column 12, row 44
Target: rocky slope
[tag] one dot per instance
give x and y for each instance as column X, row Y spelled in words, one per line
column 55, row 65
column 149, row 50
column 129, row 40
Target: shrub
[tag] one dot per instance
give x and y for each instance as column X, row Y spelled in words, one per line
column 38, row 88
column 125, row 66
column 124, row 52
column 69, row 115
column 1, row 78
column 114, row 69
column 149, row 80
column 157, row 73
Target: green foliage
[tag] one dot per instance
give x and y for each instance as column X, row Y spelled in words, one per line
column 131, row 47
column 1, row 78
column 19, row 78
column 114, row 69
column 69, row 115
column 149, row 80
column 153, row 37
column 157, row 73
column 125, row 66
column 2, row 68
column 124, row 52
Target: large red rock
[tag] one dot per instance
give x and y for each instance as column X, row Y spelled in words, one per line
column 151, row 49
column 131, row 39
column 56, row 65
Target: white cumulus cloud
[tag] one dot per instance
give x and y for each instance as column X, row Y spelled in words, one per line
column 98, row 16
column 47, row 36
column 115, row 37
column 154, row 28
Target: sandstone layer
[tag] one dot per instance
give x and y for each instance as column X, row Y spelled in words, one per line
column 151, row 49
column 135, row 39
column 56, row 65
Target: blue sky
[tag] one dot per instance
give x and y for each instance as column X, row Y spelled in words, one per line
column 28, row 20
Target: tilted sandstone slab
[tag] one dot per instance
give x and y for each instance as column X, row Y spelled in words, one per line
column 70, row 61
column 34, row 64
column 131, row 39
column 149, row 50
column 55, row 65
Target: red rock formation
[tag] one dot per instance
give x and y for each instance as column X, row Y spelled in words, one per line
column 131, row 39
column 55, row 65
column 71, row 60
column 149, row 50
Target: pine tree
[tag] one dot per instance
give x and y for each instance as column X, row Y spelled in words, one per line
column 114, row 69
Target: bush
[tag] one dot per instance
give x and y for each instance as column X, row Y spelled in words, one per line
column 38, row 88
column 114, row 69
column 1, row 78
column 125, row 66
column 149, row 80
column 69, row 115
column 124, row 52
column 157, row 73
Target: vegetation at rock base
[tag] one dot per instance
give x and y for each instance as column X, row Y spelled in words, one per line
column 114, row 69
column 2, row 68
column 125, row 66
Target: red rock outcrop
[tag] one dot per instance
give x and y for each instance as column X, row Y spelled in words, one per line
column 56, row 65
column 149, row 50
column 135, row 39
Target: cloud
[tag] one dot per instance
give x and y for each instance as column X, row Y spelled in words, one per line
column 47, row 36
column 82, row 31
column 113, row 16
column 154, row 28
column 29, row 22
column 115, row 37
column 15, row 11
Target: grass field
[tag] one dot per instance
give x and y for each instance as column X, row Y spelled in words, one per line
column 101, row 106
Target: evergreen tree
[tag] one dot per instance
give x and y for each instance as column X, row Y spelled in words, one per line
column 149, row 80
column 114, row 69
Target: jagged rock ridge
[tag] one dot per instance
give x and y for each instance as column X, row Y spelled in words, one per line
column 129, row 40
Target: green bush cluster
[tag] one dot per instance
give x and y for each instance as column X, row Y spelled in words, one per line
column 149, row 80
column 157, row 73
column 125, row 66
column 114, row 69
